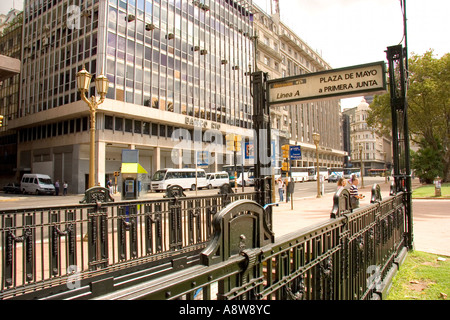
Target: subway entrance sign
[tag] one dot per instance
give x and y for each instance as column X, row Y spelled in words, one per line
column 295, row 153
column 336, row 83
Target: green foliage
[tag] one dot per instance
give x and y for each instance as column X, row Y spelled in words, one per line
column 428, row 108
column 427, row 161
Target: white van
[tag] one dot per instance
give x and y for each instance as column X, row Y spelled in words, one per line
column 186, row 178
column 37, row 184
column 217, row 179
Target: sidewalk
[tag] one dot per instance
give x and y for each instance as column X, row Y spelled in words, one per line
column 431, row 218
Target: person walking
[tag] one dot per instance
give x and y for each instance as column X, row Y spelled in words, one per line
column 57, row 188
column 109, row 186
column 289, row 189
column 65, row 186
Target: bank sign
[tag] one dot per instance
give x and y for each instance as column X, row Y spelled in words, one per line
column 340, row 83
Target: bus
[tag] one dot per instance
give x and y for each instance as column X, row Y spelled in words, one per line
column 377, row 172
column 348, row 172
column 312, row 172
column 338, row 172
column 249, row 173
column 299, row 174
column 186, row 178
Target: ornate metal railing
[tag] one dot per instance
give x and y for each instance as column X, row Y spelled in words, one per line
column 209, row 247
column 353, row 255
column 47, row 251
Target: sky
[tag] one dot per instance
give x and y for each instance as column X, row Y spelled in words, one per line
column 351, row 32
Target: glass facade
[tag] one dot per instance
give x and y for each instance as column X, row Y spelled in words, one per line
column 54, row 51
column 189, row 59
column 183, row 56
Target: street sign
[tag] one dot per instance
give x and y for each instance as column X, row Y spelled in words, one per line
column 344, row 82
column 295, row 152
column 202, row 158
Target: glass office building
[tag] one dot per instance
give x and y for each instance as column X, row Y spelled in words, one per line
column 171, row 64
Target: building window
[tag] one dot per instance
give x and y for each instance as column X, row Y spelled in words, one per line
column 118, row 124
column 137, row 126
column 146, row 128
column 108, row 122
column 128, row 125
column 154, row 129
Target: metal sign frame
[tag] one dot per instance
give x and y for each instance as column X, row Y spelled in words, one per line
column 341, row 83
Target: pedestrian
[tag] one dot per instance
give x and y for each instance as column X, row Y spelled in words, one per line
column 65, row 186
column 109, row 186
column 280, row 189
column 354, row 195
column 341, row 183
column 57, row 188
column 353, row 176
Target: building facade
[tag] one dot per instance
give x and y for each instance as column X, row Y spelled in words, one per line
column 367, row 147
column 179, row 82
column 282, row 53
column 171, row 65
column 10, row 46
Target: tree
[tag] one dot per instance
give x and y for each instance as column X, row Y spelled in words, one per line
column 427, row 163
column 428, row 103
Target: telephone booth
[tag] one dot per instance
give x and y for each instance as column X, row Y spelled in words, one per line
column 130, row 177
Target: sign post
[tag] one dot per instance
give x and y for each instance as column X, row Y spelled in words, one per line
column 295, row 153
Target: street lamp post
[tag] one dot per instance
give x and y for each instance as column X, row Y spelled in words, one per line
column 101, row 84
column 316, row 138
column 362, row 164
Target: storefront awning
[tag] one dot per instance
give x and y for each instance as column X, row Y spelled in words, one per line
column 132, row 168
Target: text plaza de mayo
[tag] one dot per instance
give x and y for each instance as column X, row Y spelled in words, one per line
column 171, row 65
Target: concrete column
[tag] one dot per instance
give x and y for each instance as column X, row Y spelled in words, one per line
column 101, row 163
column 180, row 159
column 156, row 158
column 216, row 167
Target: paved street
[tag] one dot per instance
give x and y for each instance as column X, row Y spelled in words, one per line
column 431, row 217
column 16, row 201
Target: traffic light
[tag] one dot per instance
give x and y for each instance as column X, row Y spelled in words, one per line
column 285, row 149
column 237, row 143
column 1, row 121
column 233, row 142
column 285, row 166
column 230, row 142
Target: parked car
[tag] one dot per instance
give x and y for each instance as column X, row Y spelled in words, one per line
column 217, row 179
column 186, row 178
column 37, row 184
column 333, row 178
column 11, row 188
